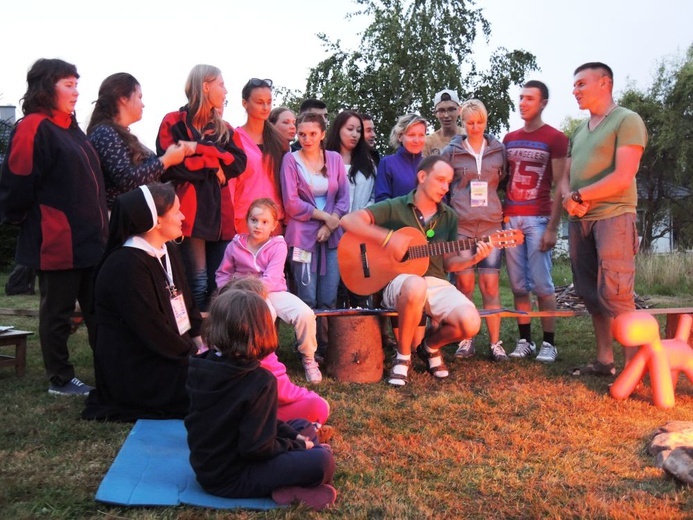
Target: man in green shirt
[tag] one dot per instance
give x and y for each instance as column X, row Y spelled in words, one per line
column 603, row 159
column 412, row 295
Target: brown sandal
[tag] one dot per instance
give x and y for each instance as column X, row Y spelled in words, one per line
column 440, row 371
column 393, row 377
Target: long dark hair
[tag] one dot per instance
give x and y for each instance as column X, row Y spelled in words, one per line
column 273, row 145
column 40, row 95
column 112, row 89
column 360, row 155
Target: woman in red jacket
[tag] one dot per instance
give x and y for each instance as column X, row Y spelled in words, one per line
column 214, row 157
column 52, row 185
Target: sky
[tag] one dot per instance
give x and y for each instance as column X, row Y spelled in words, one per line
column 159, row 42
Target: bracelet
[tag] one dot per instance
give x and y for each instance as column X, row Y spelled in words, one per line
column 387, row 238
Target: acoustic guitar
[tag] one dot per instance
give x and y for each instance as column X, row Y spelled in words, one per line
column 366, row 267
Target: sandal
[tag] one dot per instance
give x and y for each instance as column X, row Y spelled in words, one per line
column 440, row 371
column 594, row 368
column 396, row 379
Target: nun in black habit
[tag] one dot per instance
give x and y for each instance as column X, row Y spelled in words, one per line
column 147, row 323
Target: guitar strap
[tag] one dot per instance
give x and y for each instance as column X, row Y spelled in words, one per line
column 427, row 228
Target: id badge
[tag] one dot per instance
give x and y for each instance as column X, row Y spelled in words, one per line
column 301, row 256
column 479, row 193
column 181, row 314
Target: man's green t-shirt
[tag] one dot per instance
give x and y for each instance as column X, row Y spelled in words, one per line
column 593, row 157
column 400, row 212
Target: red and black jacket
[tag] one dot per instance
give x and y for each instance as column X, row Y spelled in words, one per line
column 206, row 205
column 51, row 183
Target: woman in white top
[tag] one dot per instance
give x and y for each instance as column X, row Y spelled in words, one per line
column 346, row 137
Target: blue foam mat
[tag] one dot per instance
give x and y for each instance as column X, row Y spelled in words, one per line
column 152, row 469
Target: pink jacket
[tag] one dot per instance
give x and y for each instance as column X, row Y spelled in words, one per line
column 257, row 181
column 287, row 392
column 267, row 264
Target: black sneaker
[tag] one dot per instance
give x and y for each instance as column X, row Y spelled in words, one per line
column 72, row 387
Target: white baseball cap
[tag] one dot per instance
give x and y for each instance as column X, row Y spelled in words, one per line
column 446, row 95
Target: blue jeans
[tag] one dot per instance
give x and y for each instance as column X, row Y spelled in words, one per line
column 202, row 259
column 491, row 264
column 529, row 268
column 318, row 291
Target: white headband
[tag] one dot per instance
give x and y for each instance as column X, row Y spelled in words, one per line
column 150, row 204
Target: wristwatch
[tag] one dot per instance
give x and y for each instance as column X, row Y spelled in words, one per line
column 576, row 196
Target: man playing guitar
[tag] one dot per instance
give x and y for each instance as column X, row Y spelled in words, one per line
column 409, row 294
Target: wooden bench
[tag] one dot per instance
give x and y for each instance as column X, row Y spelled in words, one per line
column 18, row 339
column 356, row 353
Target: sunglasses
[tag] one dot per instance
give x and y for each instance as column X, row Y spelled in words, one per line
column 257, row 82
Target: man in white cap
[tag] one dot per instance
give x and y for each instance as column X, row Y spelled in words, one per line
column 447, row 110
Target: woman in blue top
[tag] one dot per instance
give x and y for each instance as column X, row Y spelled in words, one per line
column 397, row 173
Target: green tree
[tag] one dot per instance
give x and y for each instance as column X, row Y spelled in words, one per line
column 570, row 124
column 664, row 178
column 411, row 50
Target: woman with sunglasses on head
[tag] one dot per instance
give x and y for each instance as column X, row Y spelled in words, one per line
column 264, row 148
column 125, row 161
column 316, row 195
column 213, row 158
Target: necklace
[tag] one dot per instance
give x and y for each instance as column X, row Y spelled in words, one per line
column 595, row 124
column 313, row 166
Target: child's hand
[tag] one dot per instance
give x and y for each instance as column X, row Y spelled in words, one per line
column 309, row 444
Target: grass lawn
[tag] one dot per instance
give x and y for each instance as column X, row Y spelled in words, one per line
column 513, row 440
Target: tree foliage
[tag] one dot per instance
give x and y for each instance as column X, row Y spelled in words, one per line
column 664, row 179
column 411, row 50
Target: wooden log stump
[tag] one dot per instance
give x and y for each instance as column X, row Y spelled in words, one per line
column 355, row 351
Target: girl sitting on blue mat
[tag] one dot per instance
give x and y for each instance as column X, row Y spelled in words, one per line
column 238, row 448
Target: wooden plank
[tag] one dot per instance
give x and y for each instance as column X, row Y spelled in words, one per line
column 19, row 312
column 502, row 313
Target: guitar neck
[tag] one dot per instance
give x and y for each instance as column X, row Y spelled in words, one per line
column 441, row 248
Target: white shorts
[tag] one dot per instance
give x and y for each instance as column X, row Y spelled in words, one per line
column 441, row 296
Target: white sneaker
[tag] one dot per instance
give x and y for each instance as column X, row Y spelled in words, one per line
column 313, row 374
column 547, row 353
column 465, row 349
column 523, row 348
column 497, row 352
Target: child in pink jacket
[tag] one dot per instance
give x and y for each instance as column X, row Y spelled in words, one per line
column 259, row 254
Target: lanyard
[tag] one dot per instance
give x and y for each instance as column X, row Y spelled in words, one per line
column 138, row 242
column 421, row 221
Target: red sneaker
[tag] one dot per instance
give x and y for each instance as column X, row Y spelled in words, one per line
column 317, row 498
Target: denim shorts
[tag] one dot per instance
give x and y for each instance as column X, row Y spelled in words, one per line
column 602, row 255
column 491, row 264
column 529, row 268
